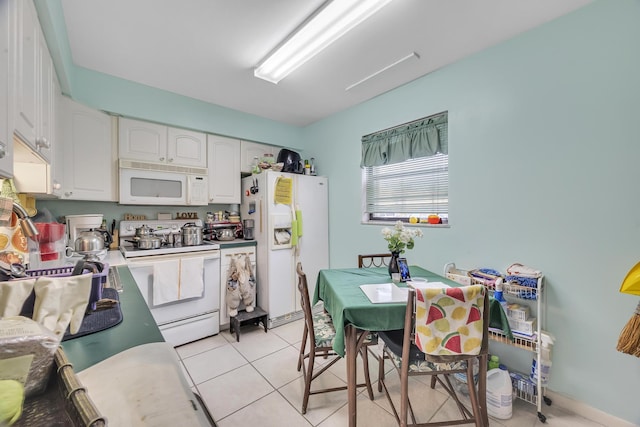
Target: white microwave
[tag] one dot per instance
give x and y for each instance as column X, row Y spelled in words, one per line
column 156, row 184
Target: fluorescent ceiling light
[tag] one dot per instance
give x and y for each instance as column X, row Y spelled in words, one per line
column 326, row 26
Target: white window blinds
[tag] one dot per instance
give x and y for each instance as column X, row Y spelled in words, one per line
column 415, row 187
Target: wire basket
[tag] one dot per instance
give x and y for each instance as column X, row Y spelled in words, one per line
column 64, row 403
column 97, row 282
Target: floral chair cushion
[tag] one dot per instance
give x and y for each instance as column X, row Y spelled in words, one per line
column 449, row 321
column 324, row 331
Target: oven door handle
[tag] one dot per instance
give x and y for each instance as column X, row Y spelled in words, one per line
column 149, row 261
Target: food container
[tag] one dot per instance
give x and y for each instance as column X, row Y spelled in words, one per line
column 191, row 234
column 225, row 234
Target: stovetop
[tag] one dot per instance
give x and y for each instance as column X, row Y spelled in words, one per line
column 127, row 231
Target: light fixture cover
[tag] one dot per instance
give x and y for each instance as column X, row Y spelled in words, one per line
column 326, row 26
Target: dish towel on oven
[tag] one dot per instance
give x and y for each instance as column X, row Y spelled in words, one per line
column 177, row 280
column 166, row 281
column 191, row 278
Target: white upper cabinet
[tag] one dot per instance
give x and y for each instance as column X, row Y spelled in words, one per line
column 90, row 158
column 185, row 147
column 34, row 82
column 142, row 141
column 249, row 150
column 26, row 79
column 224, row 169
column 6, row 89
column 46, row 102
column 155, row 143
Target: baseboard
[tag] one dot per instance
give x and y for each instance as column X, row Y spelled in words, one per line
column 587, row 411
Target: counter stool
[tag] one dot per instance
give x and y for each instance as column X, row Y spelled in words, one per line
column 257, row 316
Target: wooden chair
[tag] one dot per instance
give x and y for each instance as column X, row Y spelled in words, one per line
column 320, row 333
column 419, row 349
column 373, row 260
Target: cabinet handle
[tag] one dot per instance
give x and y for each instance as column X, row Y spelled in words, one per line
column 42, row 143
column 162, row 159
column 68, row 193
column 3, row 150
column 170, row 160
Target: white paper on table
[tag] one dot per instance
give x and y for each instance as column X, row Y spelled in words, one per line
column 143, row 386
column 384, row 293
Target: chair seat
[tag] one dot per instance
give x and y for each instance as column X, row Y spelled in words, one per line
column 325, row 333
column 417, row 363
column 323, row 330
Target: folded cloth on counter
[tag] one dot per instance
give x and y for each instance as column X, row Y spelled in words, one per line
column 191, row 284
column 166, row 281
column 143, row 386
column 523, row 271
column 529, row 282
column 498, row 318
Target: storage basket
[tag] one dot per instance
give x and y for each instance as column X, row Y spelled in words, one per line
column 64, row 403
column 98, row 281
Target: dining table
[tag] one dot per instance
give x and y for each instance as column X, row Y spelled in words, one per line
column 354, row 315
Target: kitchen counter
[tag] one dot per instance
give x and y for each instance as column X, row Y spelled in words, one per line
column 136, row 328
column 237, row 243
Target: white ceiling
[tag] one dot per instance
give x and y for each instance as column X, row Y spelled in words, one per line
column 207, row 49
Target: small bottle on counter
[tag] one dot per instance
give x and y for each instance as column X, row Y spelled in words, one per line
column 307, row 167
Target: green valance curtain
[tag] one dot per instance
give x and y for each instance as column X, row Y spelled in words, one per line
column 420, row 138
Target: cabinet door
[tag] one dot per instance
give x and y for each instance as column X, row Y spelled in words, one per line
column 224, row 169
column 89, row 160
column 187, row 148
column 254, row 149
column 26, row 72
column 142, row 141
column 6, row 88
column 46, row 109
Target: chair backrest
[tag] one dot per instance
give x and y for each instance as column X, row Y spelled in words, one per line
column 305, row 301
column 373, row 260
column 449, row 322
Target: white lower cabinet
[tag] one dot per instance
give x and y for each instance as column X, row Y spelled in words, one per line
column 226, row 255
column 224, row 169
column 90, row 155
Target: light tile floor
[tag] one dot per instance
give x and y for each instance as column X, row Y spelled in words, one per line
column 255, row 382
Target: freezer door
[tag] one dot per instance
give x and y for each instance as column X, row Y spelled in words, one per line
column 312, row 197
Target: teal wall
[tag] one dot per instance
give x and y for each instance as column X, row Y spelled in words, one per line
column 543, row 170
column 543, row 150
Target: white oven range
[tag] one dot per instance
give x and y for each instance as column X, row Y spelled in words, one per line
column 180, row 284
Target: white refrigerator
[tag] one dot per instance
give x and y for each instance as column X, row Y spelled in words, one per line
column 278, row 201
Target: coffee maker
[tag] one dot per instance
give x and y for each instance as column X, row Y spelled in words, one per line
column 247, row 229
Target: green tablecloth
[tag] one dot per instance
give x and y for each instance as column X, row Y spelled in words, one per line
column 343, row 299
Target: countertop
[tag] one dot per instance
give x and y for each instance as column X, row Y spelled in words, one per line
column 136, row 328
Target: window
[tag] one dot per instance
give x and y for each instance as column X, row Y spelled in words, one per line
column 404, row 175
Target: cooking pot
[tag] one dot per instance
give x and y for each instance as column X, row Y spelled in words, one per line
column 149, row 242
column 225, row 234
column 191, row 234
column 143, row 231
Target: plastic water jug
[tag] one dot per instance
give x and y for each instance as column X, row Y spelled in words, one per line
column 499, row 393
